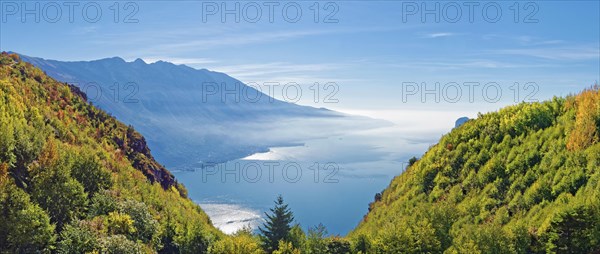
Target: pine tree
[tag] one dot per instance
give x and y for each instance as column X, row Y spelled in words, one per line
column 278, row 225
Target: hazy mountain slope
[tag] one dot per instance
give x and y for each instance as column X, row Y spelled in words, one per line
column 187, row 122
column 74, row 178
column 525, row 179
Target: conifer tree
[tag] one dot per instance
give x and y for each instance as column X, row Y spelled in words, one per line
column 277, row 227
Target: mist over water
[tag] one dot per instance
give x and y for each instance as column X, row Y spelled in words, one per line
column 329, row 180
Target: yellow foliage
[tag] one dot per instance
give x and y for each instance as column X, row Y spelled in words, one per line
column 119, row 223
column 286, row 248
column 585, row 132
column 243, row 243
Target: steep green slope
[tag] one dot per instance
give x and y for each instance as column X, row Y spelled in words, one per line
column 523, row 179
column 73, row 179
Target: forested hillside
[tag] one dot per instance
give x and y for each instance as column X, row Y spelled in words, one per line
column 73, row 179
column 525, row 179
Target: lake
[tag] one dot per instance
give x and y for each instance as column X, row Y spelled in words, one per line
column 326, row 180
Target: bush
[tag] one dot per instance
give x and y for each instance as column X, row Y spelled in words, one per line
column 102, row 203
column 119, row 223
column 53, row 188
column 145, row 225
column 77, row 238
column 119, row 244
column 243, row 242
column 24, row 226
column 338, row 245
column 90, row 173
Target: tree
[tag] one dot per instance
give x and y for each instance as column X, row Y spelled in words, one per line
column 277, row 227
column 102, row 203
column 24, row 226
column 338, row 245
column 242, row 242
column 412, row 161
column 119, row 244
column 362, row 244
column 89, row 172
column 167, row 237
column 297, row 237
column 120, row 223
column 56, row 191
column 315, row 240
column 286, row 248
column 194, row 239
column 572, row 230
column 77, row 238
column 145, row 225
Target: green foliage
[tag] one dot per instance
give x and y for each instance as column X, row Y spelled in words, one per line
column 412, row 161
column 102, row 203
column 89, row 172
column 167, row 238
column 297, row 237
column 573, row 229
column 57, row 192
column 338, row 245
column 521, row 180
column 73, row 179
column 242, row 242
column 119, row 244
column 119, row 224
column 361, row 244
column 24, row 226
column 480, row 239
column 286, row 248
column 145, row 225
column 77, row 238
column 277, row 226
column 408, row 237
column 194, row 239
column 315, row 240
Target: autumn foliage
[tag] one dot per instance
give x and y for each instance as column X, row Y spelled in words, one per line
column 586, row 130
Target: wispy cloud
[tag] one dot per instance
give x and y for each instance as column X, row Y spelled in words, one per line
column 438, row 35
column 251, row 70
column 178, row 60
column 238, row 39
column 284, row 72
column 85, row 30
column 554, row 53
column 467, row 64
column 536, row 41
column 185, row 40
column 524, row 40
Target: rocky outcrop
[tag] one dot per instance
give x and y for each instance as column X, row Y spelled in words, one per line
column 135, row 148
column 461, row 121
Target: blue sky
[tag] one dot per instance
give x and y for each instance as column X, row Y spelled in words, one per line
column 372, row 53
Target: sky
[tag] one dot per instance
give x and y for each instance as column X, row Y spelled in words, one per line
column 375, row 58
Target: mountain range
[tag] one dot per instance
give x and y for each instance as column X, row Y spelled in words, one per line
column 192, row 117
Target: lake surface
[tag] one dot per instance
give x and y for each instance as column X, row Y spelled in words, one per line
column 326, row 180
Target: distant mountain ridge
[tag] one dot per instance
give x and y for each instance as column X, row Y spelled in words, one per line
column 187, row 126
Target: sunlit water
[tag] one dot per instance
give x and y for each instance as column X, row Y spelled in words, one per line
column 329, row 180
